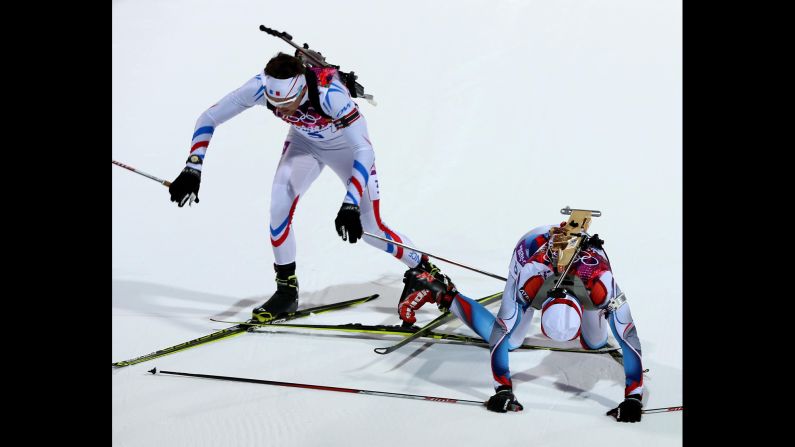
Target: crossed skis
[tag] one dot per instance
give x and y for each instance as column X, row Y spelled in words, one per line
column 242, row 328
column 409, row 334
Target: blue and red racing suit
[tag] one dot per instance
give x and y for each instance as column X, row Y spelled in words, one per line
column 531, row 274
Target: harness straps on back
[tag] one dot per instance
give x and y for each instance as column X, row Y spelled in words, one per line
column 314, row 101
column 314, row 94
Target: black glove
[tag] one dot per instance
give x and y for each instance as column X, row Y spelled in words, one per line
column 503, row 401
column 348, row 224
column 629, row 410
column 185, row 188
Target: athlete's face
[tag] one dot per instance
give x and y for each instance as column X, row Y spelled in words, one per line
column 290, row 106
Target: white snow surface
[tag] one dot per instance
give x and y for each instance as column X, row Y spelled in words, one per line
column 491, row 116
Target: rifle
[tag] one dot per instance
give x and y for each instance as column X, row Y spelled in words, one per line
column 316, row 59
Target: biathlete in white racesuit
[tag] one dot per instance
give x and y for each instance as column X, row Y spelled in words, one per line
column 326, row 129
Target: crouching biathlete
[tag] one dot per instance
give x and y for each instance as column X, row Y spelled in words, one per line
column 584, row 304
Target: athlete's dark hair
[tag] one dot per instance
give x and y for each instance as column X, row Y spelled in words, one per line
column 284, row 66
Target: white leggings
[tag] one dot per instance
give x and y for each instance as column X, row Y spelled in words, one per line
column 300, row 165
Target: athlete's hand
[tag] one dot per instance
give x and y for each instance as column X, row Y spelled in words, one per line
column 629, row 410
column 504, row 401
column 185, row 188
column 348, row 223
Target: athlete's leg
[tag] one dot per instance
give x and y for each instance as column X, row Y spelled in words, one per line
column 355, row 165
column 623, row 328
column 297, row 169
column 481, row 320
column 473, row 314
column 594, row 329
column 604, row 293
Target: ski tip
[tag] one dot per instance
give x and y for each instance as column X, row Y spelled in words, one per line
column 381, row 351
column 153, row 370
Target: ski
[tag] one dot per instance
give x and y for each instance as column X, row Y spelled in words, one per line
column 440, row 320
column 405, row 332
column 241, row 328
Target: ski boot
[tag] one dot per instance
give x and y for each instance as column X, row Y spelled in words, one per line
column 285, row 300
column 427, row 266
column 412, row 281
column 422, row 287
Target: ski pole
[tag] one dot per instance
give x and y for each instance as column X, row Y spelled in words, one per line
column 160, row 180
column 662, row 410
column 388, row 241
column 322, row 387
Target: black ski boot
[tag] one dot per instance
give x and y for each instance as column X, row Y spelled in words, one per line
column 427, row 266
column 285, row 300
column 410, row 277
column 409, row 280
column 421, row 278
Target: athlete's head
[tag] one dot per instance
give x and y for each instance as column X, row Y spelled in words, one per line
column 561, row 318
column 284, row 82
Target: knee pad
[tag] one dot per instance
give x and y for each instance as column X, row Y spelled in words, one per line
column 530, row 288
column 602, row 288
column 598, row 293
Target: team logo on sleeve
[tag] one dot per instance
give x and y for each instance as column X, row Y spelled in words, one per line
column 195, row 159
column 520, row 253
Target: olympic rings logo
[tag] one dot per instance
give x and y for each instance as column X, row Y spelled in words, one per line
column 585, row 258
column 302, row 118
column 588, row 260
